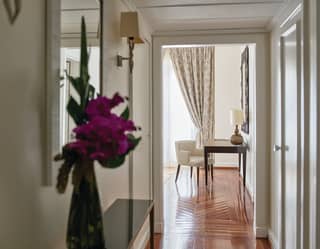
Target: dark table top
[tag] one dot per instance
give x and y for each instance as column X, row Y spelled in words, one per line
column 123, row 221
column 221, row 143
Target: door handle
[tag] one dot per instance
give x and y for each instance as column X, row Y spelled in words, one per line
column 278, row 148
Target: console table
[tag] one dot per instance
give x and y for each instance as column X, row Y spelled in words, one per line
column 225, row 146
column 123, row 221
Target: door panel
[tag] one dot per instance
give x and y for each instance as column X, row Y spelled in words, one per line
column 291, row 57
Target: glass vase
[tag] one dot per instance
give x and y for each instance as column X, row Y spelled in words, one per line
column 85, row 224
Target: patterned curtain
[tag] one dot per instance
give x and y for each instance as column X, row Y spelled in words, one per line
column 194, row 67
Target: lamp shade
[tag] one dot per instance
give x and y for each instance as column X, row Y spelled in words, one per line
column 236, row 117
column 129, row 26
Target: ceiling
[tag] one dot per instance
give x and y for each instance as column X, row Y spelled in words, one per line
column 173, row 15
column 71, row 13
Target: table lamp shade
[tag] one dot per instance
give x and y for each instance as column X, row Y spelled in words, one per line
column 129, row 26
column 236, row 117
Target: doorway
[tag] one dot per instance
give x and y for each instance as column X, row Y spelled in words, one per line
column 190, row 206
column 261, row 98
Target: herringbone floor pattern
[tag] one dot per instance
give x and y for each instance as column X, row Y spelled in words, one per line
column 219, row 216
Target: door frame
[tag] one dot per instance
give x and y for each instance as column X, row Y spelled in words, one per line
column 262, row 111
column 312, row 38
column 294, row 21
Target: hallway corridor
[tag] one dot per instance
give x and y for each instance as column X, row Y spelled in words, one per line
column 220, row 218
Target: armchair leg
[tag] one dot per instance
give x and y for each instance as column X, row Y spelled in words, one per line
column 191, row 171
column 198, row 171
column 211, row 172
column 178, row 171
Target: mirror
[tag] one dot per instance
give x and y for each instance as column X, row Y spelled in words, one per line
column 71, row 14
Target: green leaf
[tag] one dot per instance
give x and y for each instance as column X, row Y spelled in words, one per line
column 113, row 163
column 92, row 91
column 88, row 95
column 84, row 57
column 77, row 83
column 75, row 111
column 126, row 113
column 133, row 140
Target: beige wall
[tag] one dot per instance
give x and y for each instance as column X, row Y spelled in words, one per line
column 33, row 216
column 114, row 183
column 227, row 95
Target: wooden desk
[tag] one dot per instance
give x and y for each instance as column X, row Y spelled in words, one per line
column 123, row 221
column 225, row 146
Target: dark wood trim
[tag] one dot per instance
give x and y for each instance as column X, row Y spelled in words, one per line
column 226, row 147
column 178, row 171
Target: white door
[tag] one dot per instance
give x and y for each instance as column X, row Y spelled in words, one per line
column 291, row 115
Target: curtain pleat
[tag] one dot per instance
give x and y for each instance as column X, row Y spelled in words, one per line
column 194, row 67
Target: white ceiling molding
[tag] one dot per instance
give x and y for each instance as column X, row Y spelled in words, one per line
column 283, row 13
column 252, row 23
column 71, row 13
column 169, row 15
column 209, row 32
column 192, row 3
column 130, row 5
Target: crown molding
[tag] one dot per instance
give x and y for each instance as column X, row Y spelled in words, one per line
column 130, row 5
column 173, row 4
column 209, row 32
column 283, row 14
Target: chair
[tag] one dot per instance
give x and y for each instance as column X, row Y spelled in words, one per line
column 189, row 155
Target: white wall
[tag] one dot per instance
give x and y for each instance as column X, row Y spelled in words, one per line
column 228, row 87
column 117, row 183
column 33, row 216
column 227, row 95
column 114, row 183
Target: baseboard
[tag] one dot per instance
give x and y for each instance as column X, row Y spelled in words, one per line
column 261, row 232
column 250, row 191
column 226, row 165
column 273, row 240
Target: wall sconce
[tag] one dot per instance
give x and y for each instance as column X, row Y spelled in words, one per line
column 129, row 28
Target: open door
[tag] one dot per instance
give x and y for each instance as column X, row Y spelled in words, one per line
column 291, row 135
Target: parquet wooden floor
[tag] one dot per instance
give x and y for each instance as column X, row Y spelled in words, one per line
column 217, row 217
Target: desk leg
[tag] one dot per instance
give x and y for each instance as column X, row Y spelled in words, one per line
column 206, row 165
column 239, row 162
column 151, row 216
column 244, row 162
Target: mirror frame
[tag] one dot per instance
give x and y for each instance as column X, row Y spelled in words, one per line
column 52, row 90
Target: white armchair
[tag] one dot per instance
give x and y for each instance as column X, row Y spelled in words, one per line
column 189, row 155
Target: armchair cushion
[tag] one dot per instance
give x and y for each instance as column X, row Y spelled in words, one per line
column 198, row 152
column 196, row 161
column 183, row 157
